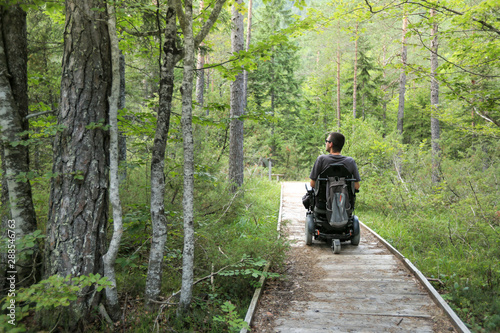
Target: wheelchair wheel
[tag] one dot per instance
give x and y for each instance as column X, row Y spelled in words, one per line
column 307, row 227
column 355, row 239
column 336, row 246
column 309, row 236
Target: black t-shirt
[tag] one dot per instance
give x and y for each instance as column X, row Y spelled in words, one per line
column 323, row 161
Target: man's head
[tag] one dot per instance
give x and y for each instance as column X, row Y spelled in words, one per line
column 335, row 142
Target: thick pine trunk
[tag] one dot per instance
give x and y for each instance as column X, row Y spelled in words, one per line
column 158, row 218
column 78, row 211
column 402, row 78
column 236, row 166
column 435, row 128
column 187, row 134
column 13, row 110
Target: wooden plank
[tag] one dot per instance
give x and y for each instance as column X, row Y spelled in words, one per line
column 365, row 288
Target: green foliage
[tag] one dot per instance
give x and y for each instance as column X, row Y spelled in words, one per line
column 49, row 294
column 231, row 318
column 58, row 291
column 451, row 232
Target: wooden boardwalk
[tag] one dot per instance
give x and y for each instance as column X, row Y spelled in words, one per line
column 365, row 288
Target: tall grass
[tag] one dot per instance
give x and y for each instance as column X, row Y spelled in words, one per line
column 450, row 230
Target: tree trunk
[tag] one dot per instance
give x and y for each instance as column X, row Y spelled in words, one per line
column 247, row 47
column 355, row 84
column 13, row 110
column 435, row 128
column 236, row 126
column 187, row 134
column 122, row 139
column 157, row 210
column 338, row 85
column 200, row 73
column 109, row 258
column 78, row 212
column 402, row 77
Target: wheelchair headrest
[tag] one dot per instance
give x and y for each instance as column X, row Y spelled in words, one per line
column 335, row 170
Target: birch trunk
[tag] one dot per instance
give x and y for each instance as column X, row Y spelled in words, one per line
column 402, row 78
column 13, row 110
column 157, row 210
column 187, row 134
column 236, row 124
column 109, row 258
column 435, row 128
column 171, row 57
column 78, row 212
column 122, row 139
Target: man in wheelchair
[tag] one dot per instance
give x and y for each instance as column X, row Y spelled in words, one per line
column 331, row 197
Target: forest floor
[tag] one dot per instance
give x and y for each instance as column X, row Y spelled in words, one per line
column 287, row 300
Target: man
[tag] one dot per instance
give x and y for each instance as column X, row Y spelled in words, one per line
column 334, row 144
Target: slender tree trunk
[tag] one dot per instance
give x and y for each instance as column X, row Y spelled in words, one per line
column 435, row 128
column 236, row 126
column 247, row 47
column 402, row 78
column 355, row 84
column 109, row 259
column 200, row 72
column 384, row 88
column 157, row 210
column 78, row 212
column 187, row 134
column 122, row 139
column 338, row 85
column 15, row 159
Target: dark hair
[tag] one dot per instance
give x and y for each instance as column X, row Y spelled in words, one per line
column 337, row 140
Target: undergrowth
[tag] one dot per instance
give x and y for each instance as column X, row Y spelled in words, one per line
column 451, row 231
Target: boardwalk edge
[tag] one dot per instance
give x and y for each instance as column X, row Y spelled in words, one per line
column 258, row 291
column 455, row 320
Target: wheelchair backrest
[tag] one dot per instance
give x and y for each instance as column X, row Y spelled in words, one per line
column 333, row 170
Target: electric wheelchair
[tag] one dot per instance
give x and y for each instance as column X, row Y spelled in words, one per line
column 330, row 208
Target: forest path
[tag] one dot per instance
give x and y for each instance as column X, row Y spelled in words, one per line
column 365, row 288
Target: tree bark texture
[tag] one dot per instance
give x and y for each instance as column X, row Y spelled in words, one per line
column 109, row 259
column 435, row 128
column 13, row 110
column 78, row 211
column 236, row 166
column 402, row 78
column 187, row 134
column 157, row 210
